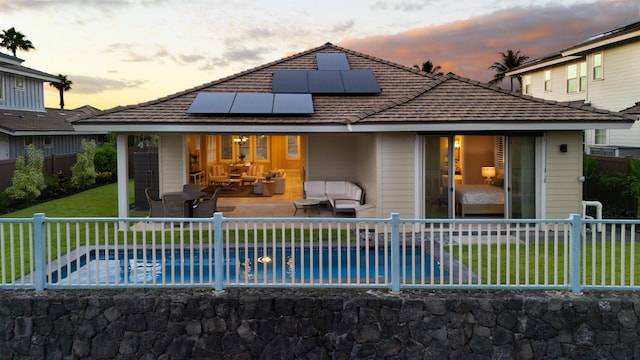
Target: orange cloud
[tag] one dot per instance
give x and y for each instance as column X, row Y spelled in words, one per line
column 469, row 47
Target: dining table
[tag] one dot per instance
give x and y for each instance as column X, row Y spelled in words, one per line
column 189, row 197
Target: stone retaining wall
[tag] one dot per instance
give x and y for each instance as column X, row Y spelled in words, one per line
column 316, row 324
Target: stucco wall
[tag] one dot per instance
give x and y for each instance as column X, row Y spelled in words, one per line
column 317, row 324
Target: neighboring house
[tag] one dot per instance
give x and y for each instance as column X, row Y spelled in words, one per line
column 410, row 139
column 603, row 70
column 24, row 119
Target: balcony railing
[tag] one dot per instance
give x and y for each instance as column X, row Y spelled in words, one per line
column 571, row 254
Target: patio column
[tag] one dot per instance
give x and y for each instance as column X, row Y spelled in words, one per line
column 123, row 176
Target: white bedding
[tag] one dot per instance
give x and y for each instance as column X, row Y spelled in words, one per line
column 479, row 194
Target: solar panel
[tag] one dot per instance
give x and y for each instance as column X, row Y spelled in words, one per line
column 360, row 82
column 290, row 81
column 252, row 103
column 292, row 104
column 212, row 103
column 325, row 82
column 332, row 61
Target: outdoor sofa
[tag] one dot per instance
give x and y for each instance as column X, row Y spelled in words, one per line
column 341, row 195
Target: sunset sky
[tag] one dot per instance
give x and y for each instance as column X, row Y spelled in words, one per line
column 121, row 52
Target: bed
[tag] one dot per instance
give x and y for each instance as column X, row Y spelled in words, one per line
column 479, row 199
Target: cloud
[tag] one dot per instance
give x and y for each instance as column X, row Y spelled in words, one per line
column 91, row 85
column 469, row 47
column 347, row 25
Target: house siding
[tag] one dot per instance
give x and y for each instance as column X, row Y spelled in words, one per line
column 563, row 170
column 397, row 181
column 172, row 163
column 62, row 144
column 30, row 98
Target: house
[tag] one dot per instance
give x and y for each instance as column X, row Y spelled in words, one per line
column 602, row 70
column 24, row 120
column 409, row 139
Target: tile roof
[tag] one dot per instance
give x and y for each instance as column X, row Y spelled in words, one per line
column 632, row 110
column 50, row 121
column 408, row 96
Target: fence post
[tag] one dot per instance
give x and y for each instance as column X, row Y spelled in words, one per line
column 39, row 251
column 218, row 251
column 574, row 253
column 395, row 252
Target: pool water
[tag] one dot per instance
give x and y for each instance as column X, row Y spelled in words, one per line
column 249, row 265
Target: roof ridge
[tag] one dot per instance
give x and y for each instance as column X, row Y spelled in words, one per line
column 394, row 103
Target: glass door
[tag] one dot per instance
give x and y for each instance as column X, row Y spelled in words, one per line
column 437, row 172
column 522, row 177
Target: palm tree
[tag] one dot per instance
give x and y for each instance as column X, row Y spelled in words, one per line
column 510, row 60
column 14, row 40
column 62, row 86
column 429, row 68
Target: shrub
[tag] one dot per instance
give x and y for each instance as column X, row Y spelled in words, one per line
column 105, row 159
column 104, row 177
column 28, row 179
column 83, row 172
column 56, row 185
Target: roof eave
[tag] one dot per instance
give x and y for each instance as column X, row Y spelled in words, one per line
column 47, row 77
column 543, row 64
column 354, row 128
column 581, row 48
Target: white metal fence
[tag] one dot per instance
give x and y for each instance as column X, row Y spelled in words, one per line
column 563, row 254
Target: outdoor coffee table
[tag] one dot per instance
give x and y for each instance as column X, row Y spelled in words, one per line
column 303, row 204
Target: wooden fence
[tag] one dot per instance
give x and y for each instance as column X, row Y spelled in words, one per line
column 615, row 202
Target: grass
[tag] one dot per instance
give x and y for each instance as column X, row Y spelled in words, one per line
column 101, row 201
column 510, row 265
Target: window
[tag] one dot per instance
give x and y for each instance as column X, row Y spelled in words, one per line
column 211, row 148
column 527, row 84
column 244, row 148
column 583, row 76
column 19, row 82
column 600, row 137
column 547, row 80
column 293, row 145
column 597, row 66
column 227, row 147
column 262, row 147
column 577, row 77
column 48, row 141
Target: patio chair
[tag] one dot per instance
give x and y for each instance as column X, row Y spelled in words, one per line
column 156, row 208
column 190, row 187
column 174, row 206
column 206, row 207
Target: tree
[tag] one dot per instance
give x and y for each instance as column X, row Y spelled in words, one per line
column 429, row 68
column 62, row 86
column 14, row 40
column 83, row 172
column 28, row 179
column 510, row 60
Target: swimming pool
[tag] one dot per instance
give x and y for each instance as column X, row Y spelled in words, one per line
column 242, row 265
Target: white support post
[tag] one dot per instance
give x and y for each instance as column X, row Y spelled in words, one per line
column 123, row 178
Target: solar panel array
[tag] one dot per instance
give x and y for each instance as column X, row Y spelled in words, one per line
column 251, row 103
column 325, row 82
column 291, row 90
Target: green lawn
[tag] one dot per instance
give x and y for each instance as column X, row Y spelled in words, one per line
column 515, row 259
column 97, row 202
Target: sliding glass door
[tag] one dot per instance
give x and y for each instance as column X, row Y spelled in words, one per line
column 522, row 179
column 478, row 167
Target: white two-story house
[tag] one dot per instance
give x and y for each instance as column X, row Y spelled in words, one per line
column 604, row 71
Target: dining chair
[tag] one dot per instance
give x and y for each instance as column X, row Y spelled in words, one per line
column 208, row 206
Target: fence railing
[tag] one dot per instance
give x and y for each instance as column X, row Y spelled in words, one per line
column 555, row 254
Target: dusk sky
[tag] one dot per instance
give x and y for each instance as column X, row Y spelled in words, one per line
column 121, row 52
